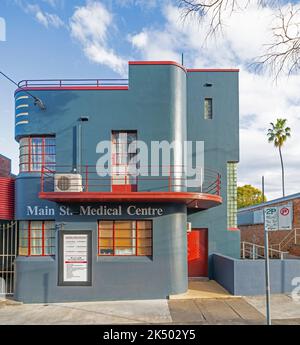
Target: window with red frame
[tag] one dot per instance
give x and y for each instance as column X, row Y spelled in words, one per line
column 36, row 152
column 125, row 237
column 36, row 238
column 124, row 151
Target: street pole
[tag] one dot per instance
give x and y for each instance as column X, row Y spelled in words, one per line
column 267, row 262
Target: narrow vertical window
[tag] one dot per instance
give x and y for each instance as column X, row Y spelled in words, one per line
column 124, row 153
column 208, row 109
column 232, row 195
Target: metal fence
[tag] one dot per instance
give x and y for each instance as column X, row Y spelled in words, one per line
column 8, row 253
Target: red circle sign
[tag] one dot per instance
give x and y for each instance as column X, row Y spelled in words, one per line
column 284, row 211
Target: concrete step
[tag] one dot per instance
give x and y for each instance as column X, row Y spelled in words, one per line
column 9, row 301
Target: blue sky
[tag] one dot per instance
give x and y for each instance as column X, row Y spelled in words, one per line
column 96, row 38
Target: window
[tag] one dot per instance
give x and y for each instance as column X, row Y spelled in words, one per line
column 36, row 152
column 231, row 195
column 125, row 237
column 37, row 238
column 124, row 153
column 208, row 110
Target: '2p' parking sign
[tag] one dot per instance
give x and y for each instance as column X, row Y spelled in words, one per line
column 279, row 217
column 271, row 218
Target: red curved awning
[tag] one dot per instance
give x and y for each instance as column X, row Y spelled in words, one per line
column 191, row 199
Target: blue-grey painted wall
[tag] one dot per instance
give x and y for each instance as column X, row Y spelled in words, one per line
column 247, row 277
column 221, row 140
column 113, row 277
column 163, row 102
column 245, row 218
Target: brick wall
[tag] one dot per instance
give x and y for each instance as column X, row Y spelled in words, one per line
column 296, row 209
column 5, row 166
column 255, row 234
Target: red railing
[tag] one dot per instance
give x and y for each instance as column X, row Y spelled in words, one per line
column 72, row 82
column 144, row 179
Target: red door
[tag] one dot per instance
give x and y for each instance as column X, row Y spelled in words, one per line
column 198, row 253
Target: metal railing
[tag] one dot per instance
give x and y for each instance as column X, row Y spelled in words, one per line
column 293, row 237
column 88, row 178
column 72, row 82
column 255, row 251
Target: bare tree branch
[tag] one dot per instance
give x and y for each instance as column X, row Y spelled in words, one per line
column 282, row 54
column 216, row 10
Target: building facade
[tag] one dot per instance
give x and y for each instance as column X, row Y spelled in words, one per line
column 84, row 235
column 8, row 227
column 286, row 236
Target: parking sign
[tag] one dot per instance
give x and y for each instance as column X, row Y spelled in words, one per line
column 271, row 218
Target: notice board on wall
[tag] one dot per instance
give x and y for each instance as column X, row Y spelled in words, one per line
column 75, row 258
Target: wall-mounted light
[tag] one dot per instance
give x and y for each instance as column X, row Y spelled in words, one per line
column 208, row 85
column 83, row 118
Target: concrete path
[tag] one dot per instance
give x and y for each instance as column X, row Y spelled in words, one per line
column 249, row 310
column 119, row 312
column 203, row 289
column 196, row 311
column 214, row 311
column 282, row 306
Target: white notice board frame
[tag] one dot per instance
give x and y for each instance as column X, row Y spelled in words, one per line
column 79, row 268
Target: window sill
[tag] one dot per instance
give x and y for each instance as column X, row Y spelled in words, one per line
column 35, row 258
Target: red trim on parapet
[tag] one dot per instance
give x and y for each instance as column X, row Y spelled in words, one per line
column 173, row 63
column 49, row 88
column 213, row 70
column 233, row 229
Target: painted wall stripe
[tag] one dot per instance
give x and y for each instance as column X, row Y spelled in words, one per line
column 22, row 122
column 22, row 97
column 22, row 114
column 22, row 106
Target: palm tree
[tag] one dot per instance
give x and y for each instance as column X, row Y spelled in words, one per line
column 278, row 135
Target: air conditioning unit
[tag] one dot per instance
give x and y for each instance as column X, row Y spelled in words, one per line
column 188, row 226
column 68, row 183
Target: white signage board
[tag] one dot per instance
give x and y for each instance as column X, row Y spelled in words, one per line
column 279, row 217
column 75, row 257
column 285, row 213
column 271, row 218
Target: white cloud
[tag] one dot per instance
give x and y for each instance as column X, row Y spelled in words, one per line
column 90, row 26
column 140, row 40
column 44, row 18
column 261, row 100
